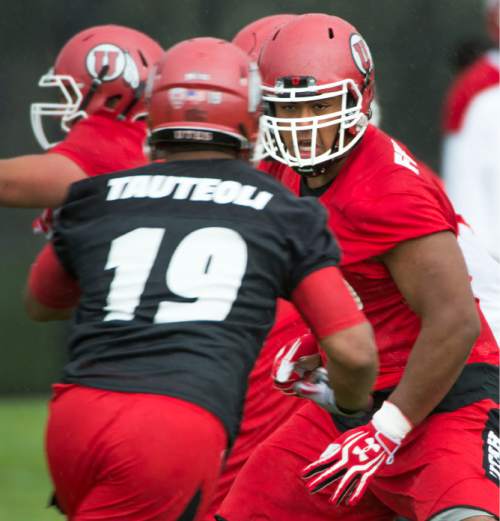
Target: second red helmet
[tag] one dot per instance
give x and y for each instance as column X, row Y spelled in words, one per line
column 204, row 90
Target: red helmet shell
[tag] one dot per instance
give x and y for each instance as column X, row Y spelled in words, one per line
column 254, row 35
column 119, row 57
column 205, row 89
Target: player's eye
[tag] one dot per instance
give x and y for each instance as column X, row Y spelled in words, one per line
column 321, row 106
column 288, row 108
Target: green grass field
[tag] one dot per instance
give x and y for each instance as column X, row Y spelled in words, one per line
column 24, row 481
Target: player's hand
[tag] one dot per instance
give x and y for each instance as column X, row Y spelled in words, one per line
column 298, row 371
column 315, row 386
column 348, row 466
column 43, row 223
column 294, row 361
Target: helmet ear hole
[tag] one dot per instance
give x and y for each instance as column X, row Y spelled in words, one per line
column 268, row 108
column 351, row 102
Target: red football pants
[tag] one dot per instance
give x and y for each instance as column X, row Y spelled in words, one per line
column 452, row 459
column 130, row 456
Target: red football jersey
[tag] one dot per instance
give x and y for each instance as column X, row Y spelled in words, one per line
column 380, row 198
column 101, row 144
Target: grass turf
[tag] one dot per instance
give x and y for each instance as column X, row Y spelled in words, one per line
column 24, row 482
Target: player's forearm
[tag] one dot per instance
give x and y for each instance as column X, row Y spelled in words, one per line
column 435, row 363
column 352, row 366
column 14, row 188
column 20, row 188
column 352, row 387
column 36, row 181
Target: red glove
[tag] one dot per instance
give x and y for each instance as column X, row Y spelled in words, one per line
column 351, row 462
column 43, row 223
column 298, row 371
column 294, row 361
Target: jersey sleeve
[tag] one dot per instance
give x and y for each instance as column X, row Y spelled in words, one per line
column 325, row 303
column 311, row 243
column 49, row 282
column 405, row 211
column 77, row 147
column 99, row 145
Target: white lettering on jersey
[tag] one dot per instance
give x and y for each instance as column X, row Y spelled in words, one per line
column 116, row 188
column 493, row 443
column 206, row 270
column 192, row 188
column 136, row 187
column 204, row 189
column 403, row 159
column 184, row 187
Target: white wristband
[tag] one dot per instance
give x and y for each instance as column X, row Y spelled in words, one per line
column 391, row 422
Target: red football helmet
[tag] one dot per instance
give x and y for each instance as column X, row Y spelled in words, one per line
column 314, row 57
column 101, row 68
column 204, row 90
column 254, row 35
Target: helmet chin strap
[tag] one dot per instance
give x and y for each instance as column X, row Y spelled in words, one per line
column 313, row 170
column 96, row 83
column 138, row 92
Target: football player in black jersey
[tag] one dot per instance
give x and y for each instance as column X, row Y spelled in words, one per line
column 179, row 265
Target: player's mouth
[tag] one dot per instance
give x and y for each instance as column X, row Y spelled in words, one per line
column 305, row 148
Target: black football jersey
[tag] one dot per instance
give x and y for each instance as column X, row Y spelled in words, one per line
column 180, row 265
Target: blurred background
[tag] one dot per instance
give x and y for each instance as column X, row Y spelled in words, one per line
column 417, row 46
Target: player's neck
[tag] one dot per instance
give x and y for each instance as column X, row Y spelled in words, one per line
column 331, row 172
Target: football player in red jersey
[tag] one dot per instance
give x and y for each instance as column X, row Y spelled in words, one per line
column 99, row 77
column 429, row 449
column 178, row 291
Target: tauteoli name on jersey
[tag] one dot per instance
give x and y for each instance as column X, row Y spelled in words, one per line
column 192, row 188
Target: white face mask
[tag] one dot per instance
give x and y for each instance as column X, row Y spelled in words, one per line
column 348, row 116
column 67, row 110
